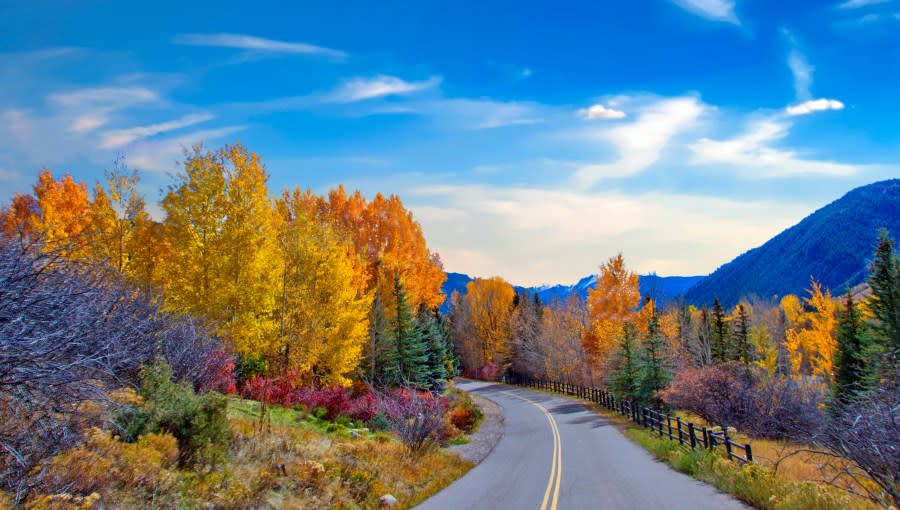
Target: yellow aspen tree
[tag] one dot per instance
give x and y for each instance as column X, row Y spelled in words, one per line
column 490, row 302
column 324, row 314
column 219, row 226
column 794, row 317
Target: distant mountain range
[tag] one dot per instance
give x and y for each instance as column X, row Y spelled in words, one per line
column 662, row 289
column 834, row 245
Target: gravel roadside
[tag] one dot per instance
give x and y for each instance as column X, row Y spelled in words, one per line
column 482, row 441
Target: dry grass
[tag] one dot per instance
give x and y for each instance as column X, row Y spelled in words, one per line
column 797, row 484
column 287, row 463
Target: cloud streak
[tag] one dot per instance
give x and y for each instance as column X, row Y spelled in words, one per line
column 716, row 10
column 121, row 137
column 640, row 143
column 360, row 89
column 256, row 44
column 754, row 153
column 856, row 4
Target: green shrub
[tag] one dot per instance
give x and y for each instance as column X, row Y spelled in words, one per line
column 379, row 423
column 198, row 422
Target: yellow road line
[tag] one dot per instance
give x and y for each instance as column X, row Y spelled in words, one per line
column 556, row 461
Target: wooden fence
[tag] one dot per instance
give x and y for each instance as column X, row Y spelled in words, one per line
column 686, row 433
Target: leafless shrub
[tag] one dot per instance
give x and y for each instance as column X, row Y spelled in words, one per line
column 417, row 418
column 69, row 332
column 866, row 431
column 755, row 402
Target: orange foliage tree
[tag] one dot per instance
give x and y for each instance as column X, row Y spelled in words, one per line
column 389, row 239
column 612, row 303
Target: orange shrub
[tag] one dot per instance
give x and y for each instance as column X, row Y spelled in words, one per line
column 463, row 418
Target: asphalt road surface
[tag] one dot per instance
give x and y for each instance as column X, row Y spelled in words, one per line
column 558, row 454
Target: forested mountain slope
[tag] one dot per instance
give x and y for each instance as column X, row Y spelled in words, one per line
column 832, row 245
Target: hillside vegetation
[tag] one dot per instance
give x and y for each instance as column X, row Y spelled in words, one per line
column 832, row 245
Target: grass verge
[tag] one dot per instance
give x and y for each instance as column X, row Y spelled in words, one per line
column 754, row 484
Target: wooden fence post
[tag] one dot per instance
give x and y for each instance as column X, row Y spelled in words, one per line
column 693, row 435
column 727, row 441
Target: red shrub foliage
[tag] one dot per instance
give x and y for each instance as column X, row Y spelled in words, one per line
column 336, row 400
column 222, row 377
column 749, row 399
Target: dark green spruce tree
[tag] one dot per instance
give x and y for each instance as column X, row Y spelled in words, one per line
column 849, row 370
column 719, row 333
column 654, row 372
column 429, row 328
column 411, row 350
column 740, row 336
column 883, row 340
column 380, row 363
column 625, row 372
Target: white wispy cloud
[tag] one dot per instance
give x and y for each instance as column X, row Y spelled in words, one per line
column 118, row 97
column 88, row 122
column 717, row 10
column 121, row 137
column 491, row 229
column 754, row 152
column 641, row 142
column 481, row 113
column 163, row 155
column 802, row 71
column 814, row 105
column 599, row 111
column 856, row 4
column 359, row 89
column 258, row 44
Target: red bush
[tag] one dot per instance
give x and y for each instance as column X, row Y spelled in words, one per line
column 336, row 400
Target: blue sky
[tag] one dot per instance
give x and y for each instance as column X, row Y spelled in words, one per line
column 531, row 140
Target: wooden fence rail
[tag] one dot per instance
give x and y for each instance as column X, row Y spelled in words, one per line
column 673, row 427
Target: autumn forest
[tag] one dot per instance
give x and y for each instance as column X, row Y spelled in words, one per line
column 129, row 336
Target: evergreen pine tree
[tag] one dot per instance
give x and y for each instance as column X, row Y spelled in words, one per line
column 740, row 339
column 654, row 372
column 538, row 306
column 380, row 363
column 427, row 323
column 451, row 360
column 848, row 361
column 884, row 278
column 719, row 334
column 411, row 350
column 624, row 376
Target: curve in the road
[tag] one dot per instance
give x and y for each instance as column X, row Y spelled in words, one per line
column 602, row 468
column 555, row 462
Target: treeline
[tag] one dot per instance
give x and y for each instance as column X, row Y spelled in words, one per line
column 320, row 289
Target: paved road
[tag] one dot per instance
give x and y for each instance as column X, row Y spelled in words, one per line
column 557, row 454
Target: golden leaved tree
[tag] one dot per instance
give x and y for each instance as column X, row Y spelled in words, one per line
column 323, row 311
column 222, row 259
column 810, row 334
column 490, row 301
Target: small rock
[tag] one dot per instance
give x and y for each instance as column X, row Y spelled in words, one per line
column 388, row 501
column 354, row 434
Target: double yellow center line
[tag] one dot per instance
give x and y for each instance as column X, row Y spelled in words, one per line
column 556, row 462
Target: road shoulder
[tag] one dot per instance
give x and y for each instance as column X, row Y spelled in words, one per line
column 482, row 442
